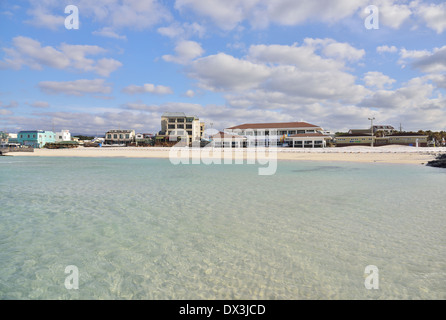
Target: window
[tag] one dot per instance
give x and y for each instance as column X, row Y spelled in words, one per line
column 180, row 120
column 171, row 126
column 34, row 135
column 109, row 136
column 189, row 133
column 115, row 136
column 127, row 136
column 189, row 120
column 180, row 126
column 188, row 126
column 28, row 136
column 172, row 120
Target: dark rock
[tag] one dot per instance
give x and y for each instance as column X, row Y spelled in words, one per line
column 439, row 162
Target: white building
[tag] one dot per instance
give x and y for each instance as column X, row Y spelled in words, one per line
column 308, row 140
column 225, row 140
column 178, row 124
column 63, row 135
column 272, row 133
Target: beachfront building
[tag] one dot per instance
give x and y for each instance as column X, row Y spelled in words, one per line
column 144, row 139
column 202, row 127
column 272, row 133
column 121, row 137
column 400, row 138
column 405, row 139
column 360, row 139
column 4, row 137
column 36, row 138
column 178, row 126
column 143, row 136
column 385, row 129
column 226, row 140
column 63, row 135
column 308, row 140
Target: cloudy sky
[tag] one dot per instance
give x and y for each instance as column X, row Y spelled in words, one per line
column 226, row 61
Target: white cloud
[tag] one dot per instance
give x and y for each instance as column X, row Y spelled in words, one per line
column 438, row 79
column 260, row 13
column 5, row 112
column 190, row 93
column 226, row 14
column 337, row 50
column 434, row 15
column 135, row 14
column 377, row 79
column 139, row 106
column 147, row 88
column 185, row 30
column 75, row 88
column 296, row 71
column 303, row 57
column 185, row 51
column 41, row 17
column 392, row 13
column 27, row 51
column 386, row 48
column 109, row 33
column 427, row 61
column 226, row 73
column 12, row 104
column 39, row 104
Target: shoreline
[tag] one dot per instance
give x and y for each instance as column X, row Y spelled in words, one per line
column 388, row 154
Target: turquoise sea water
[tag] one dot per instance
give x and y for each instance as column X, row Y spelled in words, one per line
column 146, row 229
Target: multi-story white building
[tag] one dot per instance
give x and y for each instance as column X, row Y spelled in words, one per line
column 178, row 124
column 63, row 135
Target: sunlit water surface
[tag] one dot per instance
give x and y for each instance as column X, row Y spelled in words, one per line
column 147, row 229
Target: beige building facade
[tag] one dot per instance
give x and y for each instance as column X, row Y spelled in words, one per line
column 177, row 125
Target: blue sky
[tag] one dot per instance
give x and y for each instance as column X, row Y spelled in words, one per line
column 227, row 62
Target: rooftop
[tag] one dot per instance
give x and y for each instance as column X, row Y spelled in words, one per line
column 275, row 125
column 224, row 135
column 318, row 134
column 177, row 115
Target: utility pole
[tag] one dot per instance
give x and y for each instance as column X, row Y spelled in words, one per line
column 371, row 128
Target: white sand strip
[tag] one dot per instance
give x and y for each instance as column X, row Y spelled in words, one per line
column 388, row 154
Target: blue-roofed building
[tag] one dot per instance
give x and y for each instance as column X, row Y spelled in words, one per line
column 36, row 138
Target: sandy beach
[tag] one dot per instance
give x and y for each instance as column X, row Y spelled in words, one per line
column 387, row 154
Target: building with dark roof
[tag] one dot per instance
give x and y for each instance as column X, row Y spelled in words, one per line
column 273, row 133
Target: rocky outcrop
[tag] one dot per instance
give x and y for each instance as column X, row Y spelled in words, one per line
column 439, row 162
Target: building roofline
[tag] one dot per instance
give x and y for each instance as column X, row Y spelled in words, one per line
column 273, row 125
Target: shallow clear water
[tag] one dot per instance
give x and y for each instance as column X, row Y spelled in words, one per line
column 146, row 229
